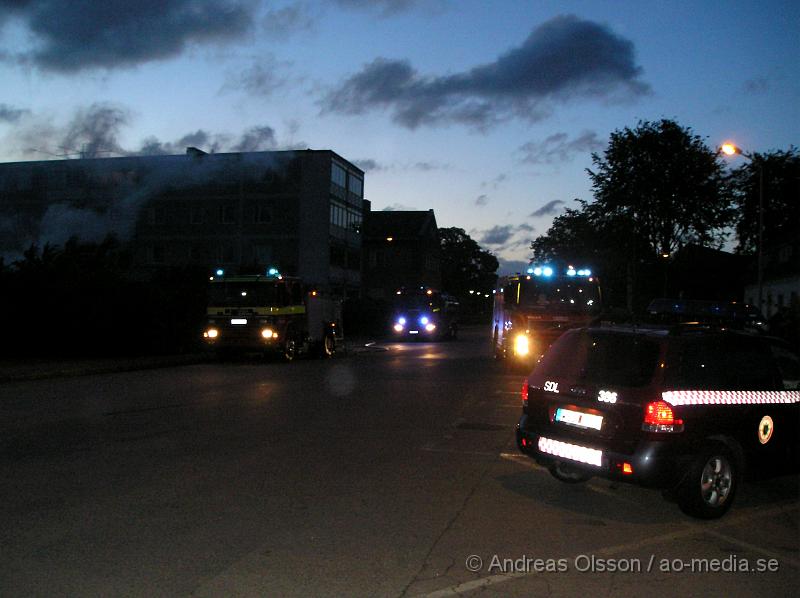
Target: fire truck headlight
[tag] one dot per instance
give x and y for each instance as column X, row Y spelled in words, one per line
column 430, row 327
column 268, row 333
column 398, row 327
column 211, row 333
column 522, row 345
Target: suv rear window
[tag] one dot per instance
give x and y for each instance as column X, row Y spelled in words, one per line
column 601, row 357
column 729, row 362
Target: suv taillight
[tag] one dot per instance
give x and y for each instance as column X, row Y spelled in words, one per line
column 659, row 417
column 524, row 393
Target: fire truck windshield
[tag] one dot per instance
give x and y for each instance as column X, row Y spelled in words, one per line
column 246, row 294
column 417, row 301
column 560, row 294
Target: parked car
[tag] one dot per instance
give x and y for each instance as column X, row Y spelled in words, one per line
column 688, row 409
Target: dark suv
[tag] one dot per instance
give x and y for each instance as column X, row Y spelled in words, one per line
column 685, row 409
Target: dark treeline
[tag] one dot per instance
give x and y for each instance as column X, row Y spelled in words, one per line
column 85, row 299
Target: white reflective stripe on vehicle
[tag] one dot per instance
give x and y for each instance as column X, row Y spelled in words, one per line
column 730, row 397
column 570, row 451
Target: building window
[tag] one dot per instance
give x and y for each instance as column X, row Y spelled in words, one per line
column 338, row 175
column 227, row 214
column 226, row 253
column 156, row 254
column 155, row 215
column 355, row 185
column 198, row 253
column 263, row 214
column 196, row 215
column 262, row 254
column 338, row 255
column 338, row 215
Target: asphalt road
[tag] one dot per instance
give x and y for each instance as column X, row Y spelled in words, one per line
column 387, row 471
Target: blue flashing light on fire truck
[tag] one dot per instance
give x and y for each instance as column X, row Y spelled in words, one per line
column 532, row 310
column 270, row 313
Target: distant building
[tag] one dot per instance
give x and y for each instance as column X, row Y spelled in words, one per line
column 781, row 284
column 401, row 248
column 699, row 272
column 300, row 211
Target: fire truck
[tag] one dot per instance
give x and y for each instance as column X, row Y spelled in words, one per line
column 532, row 310
column 270, row 313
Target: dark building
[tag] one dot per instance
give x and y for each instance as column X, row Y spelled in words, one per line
column 299, row 211
column 401, row 248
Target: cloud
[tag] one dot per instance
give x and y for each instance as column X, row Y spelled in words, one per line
column 482, row 200
column 495, row 182
column 256, row 139
column 262, row 78
column 511, row 266
column 398, row 207
column 756, row 86
column 369, row 165
column 96, row 131
column 565, row 58
column 549, row 209
column 10, row 114
column 387, row 7
column 559, row 148
column 501, row 236
column 87, row 34
column 283, row 22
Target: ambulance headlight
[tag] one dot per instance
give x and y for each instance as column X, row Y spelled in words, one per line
column 398, row 327
column 211, row 333
column 424, row 320
column 267, row 333
column 522, row 346
column 430, row 327
column 401, row 321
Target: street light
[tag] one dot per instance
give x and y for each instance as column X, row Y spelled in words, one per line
column 731, row 149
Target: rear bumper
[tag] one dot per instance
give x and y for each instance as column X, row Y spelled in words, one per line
column 654, row 463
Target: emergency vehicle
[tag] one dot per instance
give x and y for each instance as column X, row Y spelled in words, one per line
column 688, row 409
column 270, row 313
column 424, row 313
column 532, row 310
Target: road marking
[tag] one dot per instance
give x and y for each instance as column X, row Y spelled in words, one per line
column 781, row 558
column 432, row 449
column 687, row 531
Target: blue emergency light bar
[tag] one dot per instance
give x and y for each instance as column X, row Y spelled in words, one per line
column 547, row 271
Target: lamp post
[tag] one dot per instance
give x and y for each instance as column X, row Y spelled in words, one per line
column 730, row 149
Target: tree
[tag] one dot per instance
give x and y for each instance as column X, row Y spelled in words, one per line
column 465, row 265
column 665, row 181
column 781, row 178
column 656, row 188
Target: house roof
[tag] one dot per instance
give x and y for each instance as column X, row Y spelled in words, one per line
column 400, row 225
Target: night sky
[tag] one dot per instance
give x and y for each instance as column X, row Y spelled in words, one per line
column 486, row 112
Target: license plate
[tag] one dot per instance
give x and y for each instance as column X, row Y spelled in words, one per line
column 239, row 321
column 413, row 331
column 580, row 419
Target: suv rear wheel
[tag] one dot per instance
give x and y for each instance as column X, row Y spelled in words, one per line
column 564, row 473
column 711, row 483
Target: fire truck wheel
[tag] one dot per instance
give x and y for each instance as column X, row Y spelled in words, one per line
column 290, row 349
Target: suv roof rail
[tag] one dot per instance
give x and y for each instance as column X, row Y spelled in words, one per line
column 696, row 327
